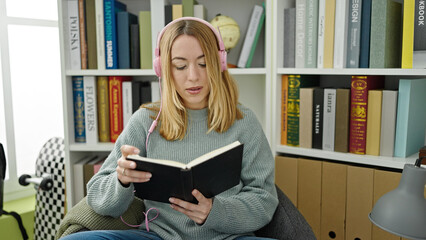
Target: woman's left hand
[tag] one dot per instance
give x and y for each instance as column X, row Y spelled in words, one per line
column 197, row 212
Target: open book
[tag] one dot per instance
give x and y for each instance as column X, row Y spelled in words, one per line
column 211, row 174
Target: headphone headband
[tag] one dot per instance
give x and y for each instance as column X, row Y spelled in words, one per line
column 222, row 52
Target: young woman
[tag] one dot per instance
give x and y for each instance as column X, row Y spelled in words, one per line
column 199, row 112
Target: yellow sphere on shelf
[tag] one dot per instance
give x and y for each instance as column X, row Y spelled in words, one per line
column 229, row 30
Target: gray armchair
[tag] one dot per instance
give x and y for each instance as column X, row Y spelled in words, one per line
column 287, row 222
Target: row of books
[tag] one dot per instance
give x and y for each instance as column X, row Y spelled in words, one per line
column 103, row 34
column 354, row 34
column 84, row 169
column 103, row 105
column 365, row 119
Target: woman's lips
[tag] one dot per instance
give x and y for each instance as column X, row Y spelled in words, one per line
column 194, row 90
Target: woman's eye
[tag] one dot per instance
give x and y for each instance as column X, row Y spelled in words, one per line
column 180, row 67
column 202, row 64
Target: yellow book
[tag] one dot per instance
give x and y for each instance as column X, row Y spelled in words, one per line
column 374, row 113
column 145, row 39
column 177, row 11
column 330, row 9
column 284, row 102
column 408, row 34
column 103, row 108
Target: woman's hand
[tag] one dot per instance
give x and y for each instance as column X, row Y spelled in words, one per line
column 197, row 212
column 125, row 169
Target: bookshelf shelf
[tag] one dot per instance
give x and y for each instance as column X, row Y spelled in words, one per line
column 354, row 71
column 150, row 72
column 103, row 147
column 379, row 161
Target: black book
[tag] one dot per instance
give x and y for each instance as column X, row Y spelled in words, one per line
column 211, row 174
column 317, row 118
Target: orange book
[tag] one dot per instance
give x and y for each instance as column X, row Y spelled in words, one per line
column 284, row 100
column 358, row 118
column 116, row 105
column 83, row 40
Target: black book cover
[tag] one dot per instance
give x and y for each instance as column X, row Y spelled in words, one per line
column 317, row 118
column 136, row 95
column 134, row 47
column 211, row 174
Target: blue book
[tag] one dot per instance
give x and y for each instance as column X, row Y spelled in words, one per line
column 364, row 54
column 79, row 115
column 411, row 117
column 124, row 20
column 111, row 8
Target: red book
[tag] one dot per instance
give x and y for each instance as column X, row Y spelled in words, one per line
column 358, row 119
column 116, row 105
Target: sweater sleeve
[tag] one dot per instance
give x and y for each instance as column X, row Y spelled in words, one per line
column 255, row 204
column 105, row 194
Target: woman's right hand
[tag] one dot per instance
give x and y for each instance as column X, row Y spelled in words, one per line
column 125, row 169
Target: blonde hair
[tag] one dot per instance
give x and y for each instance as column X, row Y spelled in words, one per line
column 223, row 96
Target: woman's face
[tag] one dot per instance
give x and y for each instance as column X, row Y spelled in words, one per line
column 189, row 72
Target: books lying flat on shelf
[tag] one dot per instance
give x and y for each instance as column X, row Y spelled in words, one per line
column 211, row 174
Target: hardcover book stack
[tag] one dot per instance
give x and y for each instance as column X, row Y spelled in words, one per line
column 354, row 34
column 364, row 118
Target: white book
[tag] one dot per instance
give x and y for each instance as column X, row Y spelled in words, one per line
column 127, row 101
column 340, row 33
column 300, row 33
column 329, row 119
column 73, row 29
column 100, row 34
column 90, row 109
column 250, row 35
column 155, row 91
column 157, row 21
column 321, row 28
column 200, row 11
column 388, row 122
column 419, row 59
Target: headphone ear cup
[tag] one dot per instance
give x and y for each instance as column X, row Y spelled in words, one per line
column 223, row 62
column 157, row 66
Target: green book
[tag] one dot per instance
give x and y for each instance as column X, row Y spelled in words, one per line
column 145, row 39
column 311, row 33
column 188, row 8
column 386, row 31
column 256, row 37
column 295, row 82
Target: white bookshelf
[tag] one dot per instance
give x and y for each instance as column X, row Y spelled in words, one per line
column 391, row 76
column 254, row 83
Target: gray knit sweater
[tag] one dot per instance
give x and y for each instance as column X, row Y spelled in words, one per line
column 238, row 211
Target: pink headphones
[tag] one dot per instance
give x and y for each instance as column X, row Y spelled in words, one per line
column 222, row 52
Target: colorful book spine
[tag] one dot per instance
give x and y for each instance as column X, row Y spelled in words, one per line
column 188, row 8
column 321, row 32
column 100, row 34
column 177, row 11
column 102, row 89
column 364, row 52
column 256, row 37
column 90, row 105
column 408, row 34
column 354, row 33
column 360, row 85
column 295, row 82
column 78, row 99
column 73, row 35
column 388, row 122
column 305, row 119
column 127, row 102
column 385, row 38
column 330, row 11
column 311, row 34
column 111, row 7
column 374, row 111
column 115, row 106
column 419, row 51
column 317, row 118
column 329, row 119
column 250, row 35
column 341, row 143
column 300, row 33
column 289, row 37
column 135, row 60
column 284, row 101
column 83, row 38
column 124, row 20
column 145, row 39
column 92, row 60
column 410, row 118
